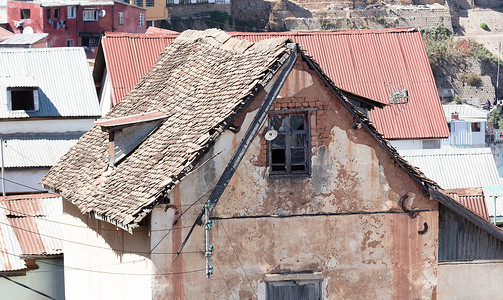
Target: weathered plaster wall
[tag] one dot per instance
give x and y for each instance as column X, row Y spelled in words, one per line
column 102, row 261
column 470, row 280
column 343, row 221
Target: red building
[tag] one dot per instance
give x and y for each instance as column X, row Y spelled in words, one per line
column 72, row 24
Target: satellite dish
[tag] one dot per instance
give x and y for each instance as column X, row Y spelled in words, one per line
column 102, row 13
column 271, row 135
column 27, row 30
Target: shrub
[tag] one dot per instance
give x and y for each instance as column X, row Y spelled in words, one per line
column 496, row 118
column 470, row 78
column 458, row 99
column 484, row 26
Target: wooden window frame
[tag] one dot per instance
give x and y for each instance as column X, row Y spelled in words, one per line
column 287, row 133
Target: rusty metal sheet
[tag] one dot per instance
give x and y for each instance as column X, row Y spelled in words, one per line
column 471, row 198
column 360, row 61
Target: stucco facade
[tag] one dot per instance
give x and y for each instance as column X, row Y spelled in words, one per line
column 342, row 224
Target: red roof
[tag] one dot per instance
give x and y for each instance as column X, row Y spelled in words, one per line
column 471, row 198
column 5, row 34
column 359, row 61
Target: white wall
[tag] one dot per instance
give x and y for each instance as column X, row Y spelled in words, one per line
column 28, row 177
column 48, row 279
column 462, row 135
column 61, row 125
column 415, row 144
column 470, row 280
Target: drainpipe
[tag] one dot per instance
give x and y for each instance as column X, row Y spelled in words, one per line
column 495, row 197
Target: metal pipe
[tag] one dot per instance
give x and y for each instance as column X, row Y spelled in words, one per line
column 495, row 197
column 3, row 176
column 498, row 75
column 207, row 232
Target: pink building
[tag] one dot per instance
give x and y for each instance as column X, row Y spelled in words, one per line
column 72, row 24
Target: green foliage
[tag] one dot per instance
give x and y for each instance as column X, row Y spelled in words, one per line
column 439, row 45
column 326, row 24
column 381, row 20
column 458, row 99
column 496, row 117
column 484, row 26
column 470, row 78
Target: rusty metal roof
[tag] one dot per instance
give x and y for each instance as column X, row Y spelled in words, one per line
column 359, row 61
column 35, row 220
column 471, row 198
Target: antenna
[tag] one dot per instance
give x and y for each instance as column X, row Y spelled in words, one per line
column 397, row 97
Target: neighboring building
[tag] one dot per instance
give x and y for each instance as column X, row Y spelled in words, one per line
column 5, row 34
column 75, row 23
column 455, row 168
column 467, row 126
column 302, row 191
column 471, row 198
column 33, row 40
column 47, row 101
column 364, row 62
column 31, row 250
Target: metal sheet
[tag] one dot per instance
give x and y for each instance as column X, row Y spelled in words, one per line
column 471, row 198
column 456, row 168
column 10, row 249
column 56, row 71
column 37, row 150
column 24, row 39
column 465, row 112
column 360, row 61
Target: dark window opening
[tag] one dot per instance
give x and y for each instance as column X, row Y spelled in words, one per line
column 476, row 127
column 48, row 14
column 22, row 100
column 90, row 41
column 25, row 14
column 288, row 153
column 56, row 13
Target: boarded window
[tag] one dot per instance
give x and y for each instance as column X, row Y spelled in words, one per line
column 476, row 127
column 288, row 153
column 294, row 290
column 141, row 21
column 120, row 18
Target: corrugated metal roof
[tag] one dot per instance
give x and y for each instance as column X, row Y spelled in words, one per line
column 10, row 249
column 492, row 192
column 359, row 61
column 4, row 33
column 24, row 39
column 18, row 81
column 56, row 71
column 36, row 222
column 466, row 112
column 456, row 168
column 37, row 150
column 471, row 198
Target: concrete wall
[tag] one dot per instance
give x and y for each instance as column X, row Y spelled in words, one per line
column 470, row 280
column 102, row 261
column 48, row 279
column 343, row 221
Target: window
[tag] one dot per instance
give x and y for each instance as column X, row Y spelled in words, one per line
column 288, row 153
column 138, row 3
column 71, row 12
column 48, row 14
column 56, row 13
column 120, row 17
column 149, row 3
column 90, row 15
column 476, row 127
column 294, row 290
column 23, row 98
column 90, row 41
column 69, row 43
column 142, row 20
column 25, row 14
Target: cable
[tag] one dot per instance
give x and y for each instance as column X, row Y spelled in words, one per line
column 222, row 274
column 10, row 147
column 26, row 287
column 93, row 246
column 233, row 250
column 14, row 182
column 105, row 272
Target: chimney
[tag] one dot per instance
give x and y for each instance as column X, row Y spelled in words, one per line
column 454, row 116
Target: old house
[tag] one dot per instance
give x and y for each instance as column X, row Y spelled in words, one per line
column 47, row 101
column 75, row 23
column 32, row 40
column 372, row 63
column 297, row 192
column 31, row 250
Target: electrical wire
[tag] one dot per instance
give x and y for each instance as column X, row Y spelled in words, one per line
column 26, row 287
column 111, row 273
column 223, row 277
column 27, row 186
column 14, row 149
column 234, row 250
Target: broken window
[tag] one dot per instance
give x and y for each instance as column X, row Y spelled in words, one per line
column 23, row 99
column 288, row 151
column 25, row 14
column 294, row 290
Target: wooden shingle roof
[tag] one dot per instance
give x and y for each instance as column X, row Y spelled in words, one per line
column 201, row 80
